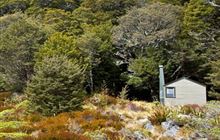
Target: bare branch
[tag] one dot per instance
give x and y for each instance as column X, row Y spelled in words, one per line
column 176, row 71
column 212, row 2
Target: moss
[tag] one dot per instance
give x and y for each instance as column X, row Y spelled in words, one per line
column 13, row 135
column 11, row 124
column 59, row 135
column 18, row 112
column 4, row 114
column 215, row 132
column 96, row 135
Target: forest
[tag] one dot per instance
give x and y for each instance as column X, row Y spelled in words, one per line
column 59, row 55
column 112, row 44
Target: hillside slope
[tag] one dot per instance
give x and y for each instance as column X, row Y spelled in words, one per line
column 107, row 118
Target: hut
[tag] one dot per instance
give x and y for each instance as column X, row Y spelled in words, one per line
column 184, row 91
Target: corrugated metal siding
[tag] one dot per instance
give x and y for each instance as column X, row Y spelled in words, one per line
column 187, row 92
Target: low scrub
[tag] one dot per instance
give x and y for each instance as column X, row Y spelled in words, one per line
column 102, row 100
column 91, row 120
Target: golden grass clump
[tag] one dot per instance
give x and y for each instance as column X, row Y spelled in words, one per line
column 192, row 109
column 159, row 114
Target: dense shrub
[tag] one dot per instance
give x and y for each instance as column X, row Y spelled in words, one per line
column 57, row 85
column 10, row 6
column 3, row 97
column 102, row 100
column 67, row 5
column 3, row 84
column 214, row 95
column 21, row 37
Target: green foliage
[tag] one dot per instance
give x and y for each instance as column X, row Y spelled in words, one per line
column 216, row 121
column 11, row 124
column 197, row 16
column 57, row 85
column 11, row 6
column 143, row 69
column 187, row 60
column 215, row 75
column 115, row 7
column 57, row 19
column 214, row 95
column 215, row 132
column 97, row 45
column 174, row 2
column 124, row 93
column 67, row 5
column 16, row 112
column 3, row 84
column 21, row 37
column 13, row 135
column 59, row 44
column 214, row 78
column 154, row 26
column 60, row 135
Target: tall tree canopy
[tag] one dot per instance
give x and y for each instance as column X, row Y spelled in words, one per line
column 153, row 24
column 121, row 42
column 21, row 37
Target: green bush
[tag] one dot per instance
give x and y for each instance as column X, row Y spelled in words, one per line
column 21, row 37
column 57, row 85
column 3, row 85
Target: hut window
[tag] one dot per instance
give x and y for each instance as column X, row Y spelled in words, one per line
column 170, row 92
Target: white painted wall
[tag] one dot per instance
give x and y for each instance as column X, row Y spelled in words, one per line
column 187, row 92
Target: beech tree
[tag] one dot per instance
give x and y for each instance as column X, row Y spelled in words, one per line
column 115, row 7
column 201, row 22
column 148, row 26
column 57, row 85
column 21, row 37
column 67, row 5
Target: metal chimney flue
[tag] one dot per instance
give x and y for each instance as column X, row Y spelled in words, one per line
column 162, row 83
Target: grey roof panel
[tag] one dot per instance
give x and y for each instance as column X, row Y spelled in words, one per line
column 186, row 79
